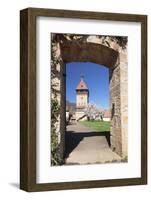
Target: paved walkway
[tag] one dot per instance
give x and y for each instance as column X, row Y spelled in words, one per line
column 86, row 146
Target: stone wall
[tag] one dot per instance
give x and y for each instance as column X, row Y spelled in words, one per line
column 58, row 92
column 119, row 105
column 115, row 106
column 124, row 100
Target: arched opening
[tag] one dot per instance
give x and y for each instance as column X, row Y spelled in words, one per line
column 71, row 50
column 88, row 52
column 78, row 51
column 87, row 114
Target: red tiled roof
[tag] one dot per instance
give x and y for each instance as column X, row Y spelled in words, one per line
column 107, row 114
column 82, row 85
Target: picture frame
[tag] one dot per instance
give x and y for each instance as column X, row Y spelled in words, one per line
column 28, row 98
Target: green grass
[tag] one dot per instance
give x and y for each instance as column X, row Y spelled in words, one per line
column 99, row 126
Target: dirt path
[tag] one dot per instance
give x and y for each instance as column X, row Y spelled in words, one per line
column 86, row 146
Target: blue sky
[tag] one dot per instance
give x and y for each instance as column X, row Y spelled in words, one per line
column 96, row 77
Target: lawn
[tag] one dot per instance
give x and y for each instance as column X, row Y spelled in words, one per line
column 100, row 126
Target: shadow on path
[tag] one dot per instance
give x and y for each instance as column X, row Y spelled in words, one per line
column 72, row 139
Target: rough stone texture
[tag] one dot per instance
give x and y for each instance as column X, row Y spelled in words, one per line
column 115, row 105
column 111, row 55
column 119, row 105
column 59, row 94
column 124, row 101
column 87, row 51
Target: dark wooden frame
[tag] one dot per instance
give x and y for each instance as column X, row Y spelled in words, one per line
column 28, row 99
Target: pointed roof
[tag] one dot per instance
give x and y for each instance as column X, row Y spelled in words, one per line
column 82, row 85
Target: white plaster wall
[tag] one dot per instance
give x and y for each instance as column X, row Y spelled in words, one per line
column 106, row 119
column 81, row 100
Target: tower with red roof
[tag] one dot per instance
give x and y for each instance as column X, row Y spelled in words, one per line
column 82, row 95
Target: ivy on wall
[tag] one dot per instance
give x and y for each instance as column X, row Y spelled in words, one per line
column 55, row 108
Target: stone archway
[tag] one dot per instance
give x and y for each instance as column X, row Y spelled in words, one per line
column 113, row 57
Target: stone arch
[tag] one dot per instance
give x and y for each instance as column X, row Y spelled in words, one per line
column 88, row 52
column 113, row 57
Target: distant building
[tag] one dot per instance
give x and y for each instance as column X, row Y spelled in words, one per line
column 107, row 115
column 82, row 95
column 82, row 100
column 82, row 110
column 70, row 107
column 70, row 110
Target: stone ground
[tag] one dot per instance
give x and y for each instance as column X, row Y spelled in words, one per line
column 86, row 146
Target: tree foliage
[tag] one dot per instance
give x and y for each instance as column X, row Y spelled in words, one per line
column 93, row 112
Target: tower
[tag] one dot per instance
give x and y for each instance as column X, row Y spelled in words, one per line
column 82, row 95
